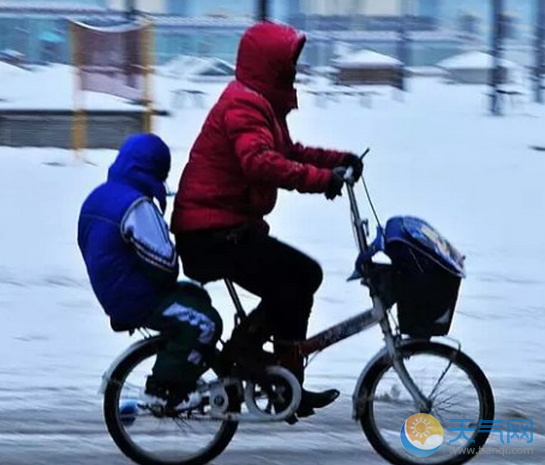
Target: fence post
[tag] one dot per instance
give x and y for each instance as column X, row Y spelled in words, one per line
column 262, row 10
column 497, row 55
column 539, row 37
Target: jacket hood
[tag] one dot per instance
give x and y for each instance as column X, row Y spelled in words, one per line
column 266, row 62
column 143, row 162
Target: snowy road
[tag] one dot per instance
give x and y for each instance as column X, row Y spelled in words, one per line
column 74, row 434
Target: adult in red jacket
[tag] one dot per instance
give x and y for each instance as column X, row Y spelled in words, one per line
column 242, row 155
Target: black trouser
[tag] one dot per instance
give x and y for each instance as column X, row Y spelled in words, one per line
column 283, row 277
column 192, row 327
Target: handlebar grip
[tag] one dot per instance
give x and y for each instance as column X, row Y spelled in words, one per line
column 348, row 174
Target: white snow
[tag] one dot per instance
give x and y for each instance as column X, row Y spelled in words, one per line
column 365, row 58
column 324, row 70
column 7, row 70
column 9, row 78
column 473, row 60
column 52, row 87
column 187, row 66
column 54, row 5
column 435, row 154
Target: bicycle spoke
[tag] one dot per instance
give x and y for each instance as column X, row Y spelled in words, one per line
column 148, row 431
column 453, row 389
column 441, row 378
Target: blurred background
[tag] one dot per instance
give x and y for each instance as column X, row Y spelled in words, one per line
column 421, row 34
column 37, row 31
column 421, row 82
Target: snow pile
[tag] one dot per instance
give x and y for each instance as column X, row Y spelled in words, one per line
column 473, row 60
column 52, row 88
column 197, row 68
column 366, row 59
column 9, row 77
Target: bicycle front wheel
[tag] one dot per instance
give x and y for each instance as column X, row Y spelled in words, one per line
column 456, row 389
column 149, row 437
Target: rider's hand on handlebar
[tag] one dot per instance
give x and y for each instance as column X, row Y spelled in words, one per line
column 354, row 161
column 335, row 183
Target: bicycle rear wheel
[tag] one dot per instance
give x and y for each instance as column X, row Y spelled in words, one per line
column 457, row 389
column 150, row 438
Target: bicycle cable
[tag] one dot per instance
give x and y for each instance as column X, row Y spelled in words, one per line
column 311, row 357
column 372, row 205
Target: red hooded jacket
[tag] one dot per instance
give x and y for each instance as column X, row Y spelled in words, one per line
column 244, row 152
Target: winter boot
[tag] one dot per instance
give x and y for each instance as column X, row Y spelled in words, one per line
column 291, row 359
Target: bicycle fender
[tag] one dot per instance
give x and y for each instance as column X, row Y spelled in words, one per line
column 130, row 350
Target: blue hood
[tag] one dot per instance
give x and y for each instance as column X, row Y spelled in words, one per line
column 143, row 162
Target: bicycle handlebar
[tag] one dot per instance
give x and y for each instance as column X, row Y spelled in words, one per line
column 348, row 176
column 356, row 218
column 349, row 173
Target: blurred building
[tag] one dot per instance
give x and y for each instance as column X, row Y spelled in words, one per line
column 356, row 14
column 176, row 7
column 375, row 25
column 428, row 8
column 521, row 14
column 475, row 68
column 369, row 68
column 222, row 8
column 38, row 29
column 350, row 7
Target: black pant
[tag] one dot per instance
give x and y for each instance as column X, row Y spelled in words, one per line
column 192, row 327
column 283, row 277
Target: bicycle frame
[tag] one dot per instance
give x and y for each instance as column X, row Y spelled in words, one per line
column 377, row 314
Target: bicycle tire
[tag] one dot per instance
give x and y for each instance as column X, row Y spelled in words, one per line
column 113, row 423
column 369, row 384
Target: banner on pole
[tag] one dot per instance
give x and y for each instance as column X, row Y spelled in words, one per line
column 115, row 59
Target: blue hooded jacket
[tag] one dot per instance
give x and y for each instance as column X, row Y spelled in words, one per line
column 121, row 280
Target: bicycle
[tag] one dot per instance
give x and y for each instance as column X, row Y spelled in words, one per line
column 410, row 375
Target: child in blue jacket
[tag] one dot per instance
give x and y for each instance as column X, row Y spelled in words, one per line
column 133, row 267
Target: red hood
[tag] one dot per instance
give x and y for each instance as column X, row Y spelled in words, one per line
column 266, row 62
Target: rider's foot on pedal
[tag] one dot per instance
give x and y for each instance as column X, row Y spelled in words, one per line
column 171, row 395
column 311, row 400
column 192, row 401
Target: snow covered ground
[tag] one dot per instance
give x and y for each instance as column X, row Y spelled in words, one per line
column 435, row 154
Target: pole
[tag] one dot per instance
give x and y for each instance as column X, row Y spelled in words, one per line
column 262, row 10
column 78, row 116
column 497, row 55
column 539, row 37
column 147, row 48
column 403, row 43
column 130, row 10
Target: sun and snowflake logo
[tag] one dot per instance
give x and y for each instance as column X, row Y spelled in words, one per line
column 421, row 435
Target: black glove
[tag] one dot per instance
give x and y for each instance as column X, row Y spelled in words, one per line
column 353, row 161
column 335, row 183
